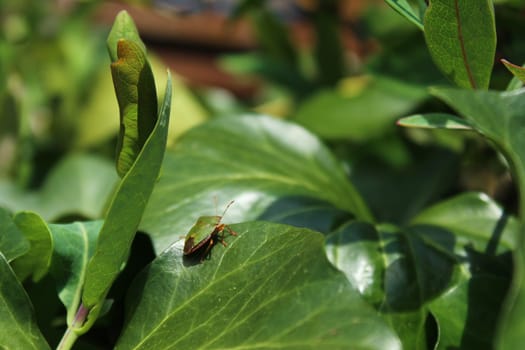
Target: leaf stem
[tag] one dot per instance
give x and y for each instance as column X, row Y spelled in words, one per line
column 70, row 336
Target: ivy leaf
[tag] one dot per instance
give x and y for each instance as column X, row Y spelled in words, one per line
column 37, row 261
column 461, row 37
column 254, row 160
column 404, row 8
column 270, row 287
column 12, row 242
column 18, row 328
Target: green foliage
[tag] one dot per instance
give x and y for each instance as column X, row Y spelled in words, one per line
column 75, row 244
column 272, row 286
column 350, row 232
column 69, row 189
column 410, row 12
column 12, row 242
column 135, row 89
column 517, row 71
column 461, row 36
column 434, row 120
column 37, row 260
column 19, row 329
column 353, row 111
column 252, row 163
column 125, row 212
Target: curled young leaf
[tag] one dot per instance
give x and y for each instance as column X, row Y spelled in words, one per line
column 137, row 99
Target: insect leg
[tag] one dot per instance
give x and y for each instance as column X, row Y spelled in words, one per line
column 232, row 232
column 207, row 251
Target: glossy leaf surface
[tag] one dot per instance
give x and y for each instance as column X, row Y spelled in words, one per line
column 447, row 257
column 255, row 163
column 270, row 287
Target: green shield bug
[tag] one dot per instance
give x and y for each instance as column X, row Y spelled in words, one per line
column 205, row 233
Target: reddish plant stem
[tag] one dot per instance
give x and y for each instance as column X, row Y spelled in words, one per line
column 70, row 336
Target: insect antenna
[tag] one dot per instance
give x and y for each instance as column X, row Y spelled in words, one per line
column 225, row 209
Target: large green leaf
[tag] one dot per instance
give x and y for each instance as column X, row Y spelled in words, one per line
column 272, row 287
column 12, row 241
column 461, row 37
column 448, row 256
column 18, row 329
column 79, row 185
column 73, row 246
column 125, row 213
column 37, row 261
column 364, row 108
column 253, row 160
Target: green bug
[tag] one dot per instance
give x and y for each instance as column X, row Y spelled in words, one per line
column 205, row 233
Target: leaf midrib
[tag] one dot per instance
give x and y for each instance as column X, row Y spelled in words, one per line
column 462, row 46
